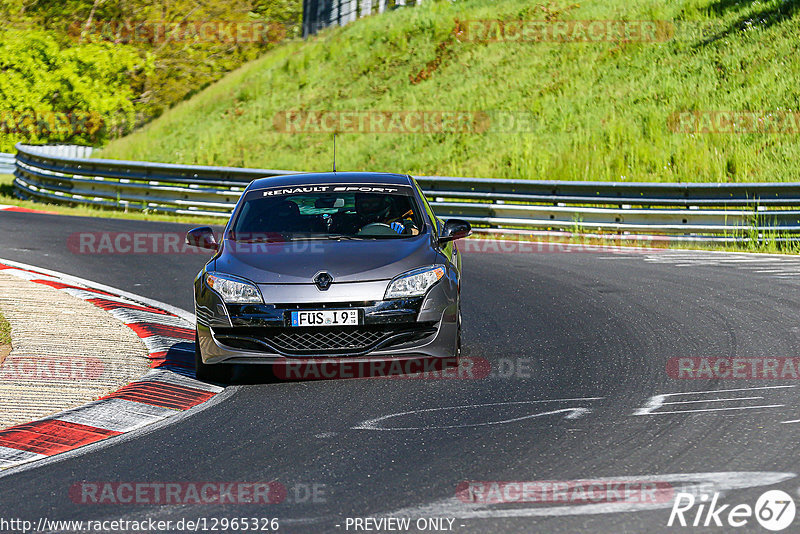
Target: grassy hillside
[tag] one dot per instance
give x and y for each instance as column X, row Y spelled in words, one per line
column 601, row 109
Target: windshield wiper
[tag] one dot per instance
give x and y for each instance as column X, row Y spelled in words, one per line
column 287, row 238
column 335, row 237
column 262, row 240
column 345, row 236
column 320, row 236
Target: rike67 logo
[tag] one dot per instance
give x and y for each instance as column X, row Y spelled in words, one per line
column 774, row 510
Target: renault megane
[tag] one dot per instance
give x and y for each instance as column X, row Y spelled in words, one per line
column 351, row 266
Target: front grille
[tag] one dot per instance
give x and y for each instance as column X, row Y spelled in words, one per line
column 322, row 340
column 344, row 340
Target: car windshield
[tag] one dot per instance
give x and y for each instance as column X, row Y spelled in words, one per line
column 328, row 212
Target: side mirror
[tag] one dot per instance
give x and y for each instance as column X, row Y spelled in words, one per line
column 454, row 229
column 202, row 237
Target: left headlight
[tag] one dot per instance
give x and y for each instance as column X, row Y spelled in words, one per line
column 233, row 290
column 414, row 283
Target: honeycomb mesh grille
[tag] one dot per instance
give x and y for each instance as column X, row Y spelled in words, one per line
column 326, row 340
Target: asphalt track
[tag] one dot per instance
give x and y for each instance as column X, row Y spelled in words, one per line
column 594, row 326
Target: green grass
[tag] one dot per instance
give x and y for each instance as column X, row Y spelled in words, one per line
column 5, row 331
column 7, row 197
column 601, row 109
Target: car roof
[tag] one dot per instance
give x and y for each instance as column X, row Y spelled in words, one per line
column 331, row 178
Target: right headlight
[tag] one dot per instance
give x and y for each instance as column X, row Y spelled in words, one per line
column 233, row 290
column 414, row 283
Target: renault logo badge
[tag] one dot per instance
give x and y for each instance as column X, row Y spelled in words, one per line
column 323, row 280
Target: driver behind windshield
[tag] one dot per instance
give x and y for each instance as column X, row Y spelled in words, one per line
column 377, row 209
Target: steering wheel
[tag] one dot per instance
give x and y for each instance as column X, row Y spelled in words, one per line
column 377, row 229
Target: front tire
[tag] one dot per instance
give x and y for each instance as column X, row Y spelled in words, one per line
column 210, row 373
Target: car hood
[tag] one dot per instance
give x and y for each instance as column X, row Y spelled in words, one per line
column 346, row 261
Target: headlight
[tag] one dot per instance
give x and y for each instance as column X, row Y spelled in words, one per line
column 414, row 283
column 233, row 290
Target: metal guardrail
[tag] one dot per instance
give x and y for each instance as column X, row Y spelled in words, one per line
column 319, row 14
column 6, row 163
column 44, row 173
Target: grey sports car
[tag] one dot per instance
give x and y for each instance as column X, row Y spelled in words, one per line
column 344, row 266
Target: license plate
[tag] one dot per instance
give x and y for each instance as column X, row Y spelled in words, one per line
column 325, row 318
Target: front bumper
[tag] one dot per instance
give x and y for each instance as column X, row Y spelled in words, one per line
column 422, row 327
